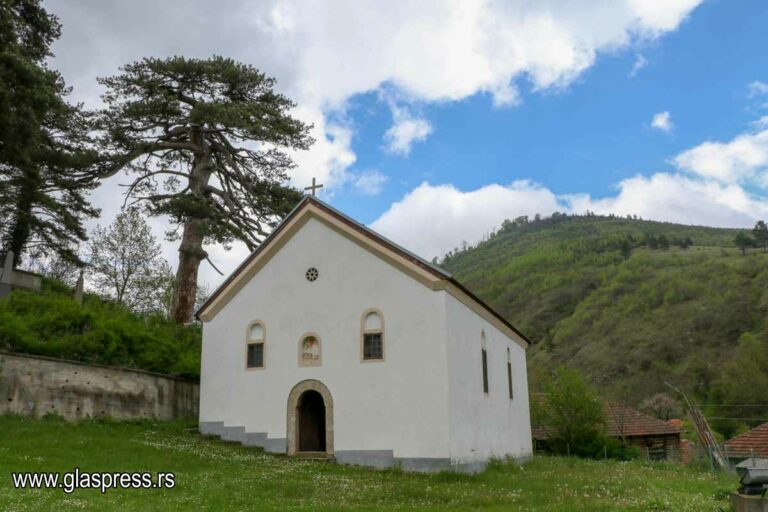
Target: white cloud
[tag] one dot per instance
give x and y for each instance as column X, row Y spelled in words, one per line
column 405, row 131
column 330, row 156
column 662, row 121
column 640, row 63
column 661, row 15
column 433, row 219
column 450, row 216
column 758, row 88
column 711, row 194
column 324, row 53
column 743, row 158
column 677, row 198
column 369, row 183
column 762, row 122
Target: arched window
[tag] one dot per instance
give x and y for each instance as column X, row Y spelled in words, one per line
column 309, row 350
column 372, row 336
column 256, row 337
column 509, row 374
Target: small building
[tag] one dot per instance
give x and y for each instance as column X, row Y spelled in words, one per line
column 656, row 439
column 14, row 278
column 753, row 443
column 332, row 341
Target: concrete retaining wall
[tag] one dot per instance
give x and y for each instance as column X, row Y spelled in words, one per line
column 36, row 385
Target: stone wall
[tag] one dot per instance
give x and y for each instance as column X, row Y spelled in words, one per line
column 36, row 385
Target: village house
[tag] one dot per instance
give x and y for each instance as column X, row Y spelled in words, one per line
column 656, row 439
column 332, row 341
column 753, row 443
column 14, row 278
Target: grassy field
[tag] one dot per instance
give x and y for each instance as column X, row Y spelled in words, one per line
column 213, row 475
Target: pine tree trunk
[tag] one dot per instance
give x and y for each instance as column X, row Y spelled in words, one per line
column 191, row 251
column 21, row 230
column 190, row 255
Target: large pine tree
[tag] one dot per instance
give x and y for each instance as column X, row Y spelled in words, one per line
column 205, row 143
column 46, row 162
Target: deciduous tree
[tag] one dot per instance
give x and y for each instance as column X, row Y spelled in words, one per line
column 205, row 141
column 743, row 241
column 662, row 406
column 125, row 263
column 572, row 411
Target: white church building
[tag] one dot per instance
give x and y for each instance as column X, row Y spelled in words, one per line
column 331, row 341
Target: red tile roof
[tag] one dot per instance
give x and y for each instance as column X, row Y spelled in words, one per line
column 625, row 421
column 622, row 421
column 675, row 422
column 755, row 440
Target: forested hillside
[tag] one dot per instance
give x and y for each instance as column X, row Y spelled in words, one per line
column 631, row 304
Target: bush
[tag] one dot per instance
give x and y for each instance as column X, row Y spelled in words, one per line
column 574, row 415
column 53, row 324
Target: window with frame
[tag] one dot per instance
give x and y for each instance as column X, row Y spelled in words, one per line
column 484, row 360
column 509, row 375
column 256, row 338
column 372, row 336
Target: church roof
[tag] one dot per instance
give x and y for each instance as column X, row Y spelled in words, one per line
column 419, row 268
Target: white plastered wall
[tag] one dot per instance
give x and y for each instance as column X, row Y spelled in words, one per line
column 400, row 404
column 485, row 425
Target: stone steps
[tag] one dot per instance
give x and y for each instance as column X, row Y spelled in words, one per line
column 239, row 435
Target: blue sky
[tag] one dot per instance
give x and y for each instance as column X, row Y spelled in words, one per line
column 592, row 134
column 437, row 119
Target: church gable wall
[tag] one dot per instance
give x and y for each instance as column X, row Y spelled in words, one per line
column 380, row 407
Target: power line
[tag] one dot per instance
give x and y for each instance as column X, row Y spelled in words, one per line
column 743, row 419
column 732, row 405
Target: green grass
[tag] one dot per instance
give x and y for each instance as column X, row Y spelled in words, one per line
column 213, row 475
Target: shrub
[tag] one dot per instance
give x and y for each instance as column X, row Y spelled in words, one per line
column 53, row 324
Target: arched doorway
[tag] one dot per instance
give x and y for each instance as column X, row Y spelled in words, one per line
column 310, row 418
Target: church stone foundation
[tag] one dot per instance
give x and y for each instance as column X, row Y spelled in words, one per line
column 379, row 459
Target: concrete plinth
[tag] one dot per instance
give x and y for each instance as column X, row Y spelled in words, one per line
column 744, row 503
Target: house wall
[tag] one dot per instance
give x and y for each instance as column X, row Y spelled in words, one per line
column 385, row 413
column 35, row 386
column 658, row 447
column 485, row 425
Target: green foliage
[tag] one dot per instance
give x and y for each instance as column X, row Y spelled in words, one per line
column 743, row 381
column 743, row 241
column 629, row 320
column 760, row 234
column 46, row 162
column 125, row 263
column 53, row 324
column 572, row 411
column 574, row 415
column 208, row 143
column 206, row 139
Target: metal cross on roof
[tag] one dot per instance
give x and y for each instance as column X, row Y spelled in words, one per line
column 313, row 188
